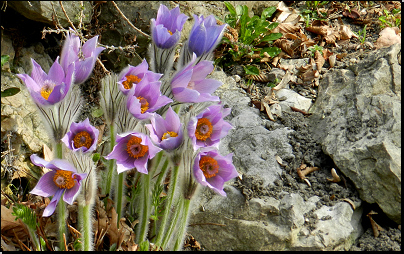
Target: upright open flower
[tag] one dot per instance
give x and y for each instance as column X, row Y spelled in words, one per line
column 146, row 98
column 81, row 136
column 213, row 170
column 134, row 74
column 203, row 39
column 191, row 85
column 48, row 89
column 133, row 150
column 63, row 178
column 168, row 133
column 207, row 128
column 84, row 56
column 166, row 29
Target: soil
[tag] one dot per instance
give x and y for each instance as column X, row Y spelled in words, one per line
column 306, row 150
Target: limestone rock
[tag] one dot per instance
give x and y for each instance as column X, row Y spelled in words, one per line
column 357, row 120
column 265, row 224
column 42, row 11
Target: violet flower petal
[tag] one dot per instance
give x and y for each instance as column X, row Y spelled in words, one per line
column 45, row 186
column 50, row 209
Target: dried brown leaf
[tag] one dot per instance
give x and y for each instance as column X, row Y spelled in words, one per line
column 280, row 161
column 319, row 60
column 332, row 59
column 388, row 37
column 268, row 110
column 285, row 28
column 284, row 82
column 310, row 75
column 10, row 227
column 321, row 30
column 346, row 33
column 352, row 13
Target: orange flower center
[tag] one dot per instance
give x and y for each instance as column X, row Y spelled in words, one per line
column 47, row 89
column 82, row 138
column 203, row 129
column 144, row 104
column 209, row 166
column 169, row 134
column 171, row 33
column 130, row 79
column 63, row 179
column 135, row 149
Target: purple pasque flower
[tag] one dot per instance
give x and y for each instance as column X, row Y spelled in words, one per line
column 191, row 85
column 63, row 178
column 213, row 170
column 83, row 56
column 166, row 29
column 81, row 136
column 48, row 89
column 207, row 128
column 168, row 133
column 145, row 98
column 205, row 35
column 134, row 74
column 133, row 150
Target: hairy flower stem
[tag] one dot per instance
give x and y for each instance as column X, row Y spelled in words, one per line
column 184, row 223
column 62, row 215
column 87, row 226
column 111, row 163
column 119, row 195
column 173, row 184
column 144, row 216
column 177, row 212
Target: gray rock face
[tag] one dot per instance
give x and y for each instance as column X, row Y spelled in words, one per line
column 357, row 120
column 288, row 223
column 254, row 146
column 42, row 11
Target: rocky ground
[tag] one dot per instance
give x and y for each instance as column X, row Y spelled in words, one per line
column 305, row 148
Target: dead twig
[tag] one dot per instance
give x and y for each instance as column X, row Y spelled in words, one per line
column 127, row 20
column 303, row 170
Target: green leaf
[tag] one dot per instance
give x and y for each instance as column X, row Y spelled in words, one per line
column 4, row 59
column 251, row 70
column 9, row 92
column 273, row 25
column 267, row 13
column 243, row 22
column 97, row 112
column 271, row 51
column 144, row 246
column 231, row 9
column 272, row 37
column 96, row 157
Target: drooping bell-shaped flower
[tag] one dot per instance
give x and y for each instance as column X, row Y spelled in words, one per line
column 81, row 136
column 63, row 178
column 166, row 133
column 213, row 170
column 167, row 27
column 145, row 98
column 83, row 56
column 133, row 150
column 207, row 128
column 132, row 75
column 51, row 88
column 191, row 85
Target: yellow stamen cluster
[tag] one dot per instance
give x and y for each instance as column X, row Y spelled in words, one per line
column 63, row 179
column 204, row 129
column 46, row 91
column 169, row 134
column 81, row 139
column 144, row 104
column 135, row 149
column 130, row 79
column 171, row 33
column 209, row 166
